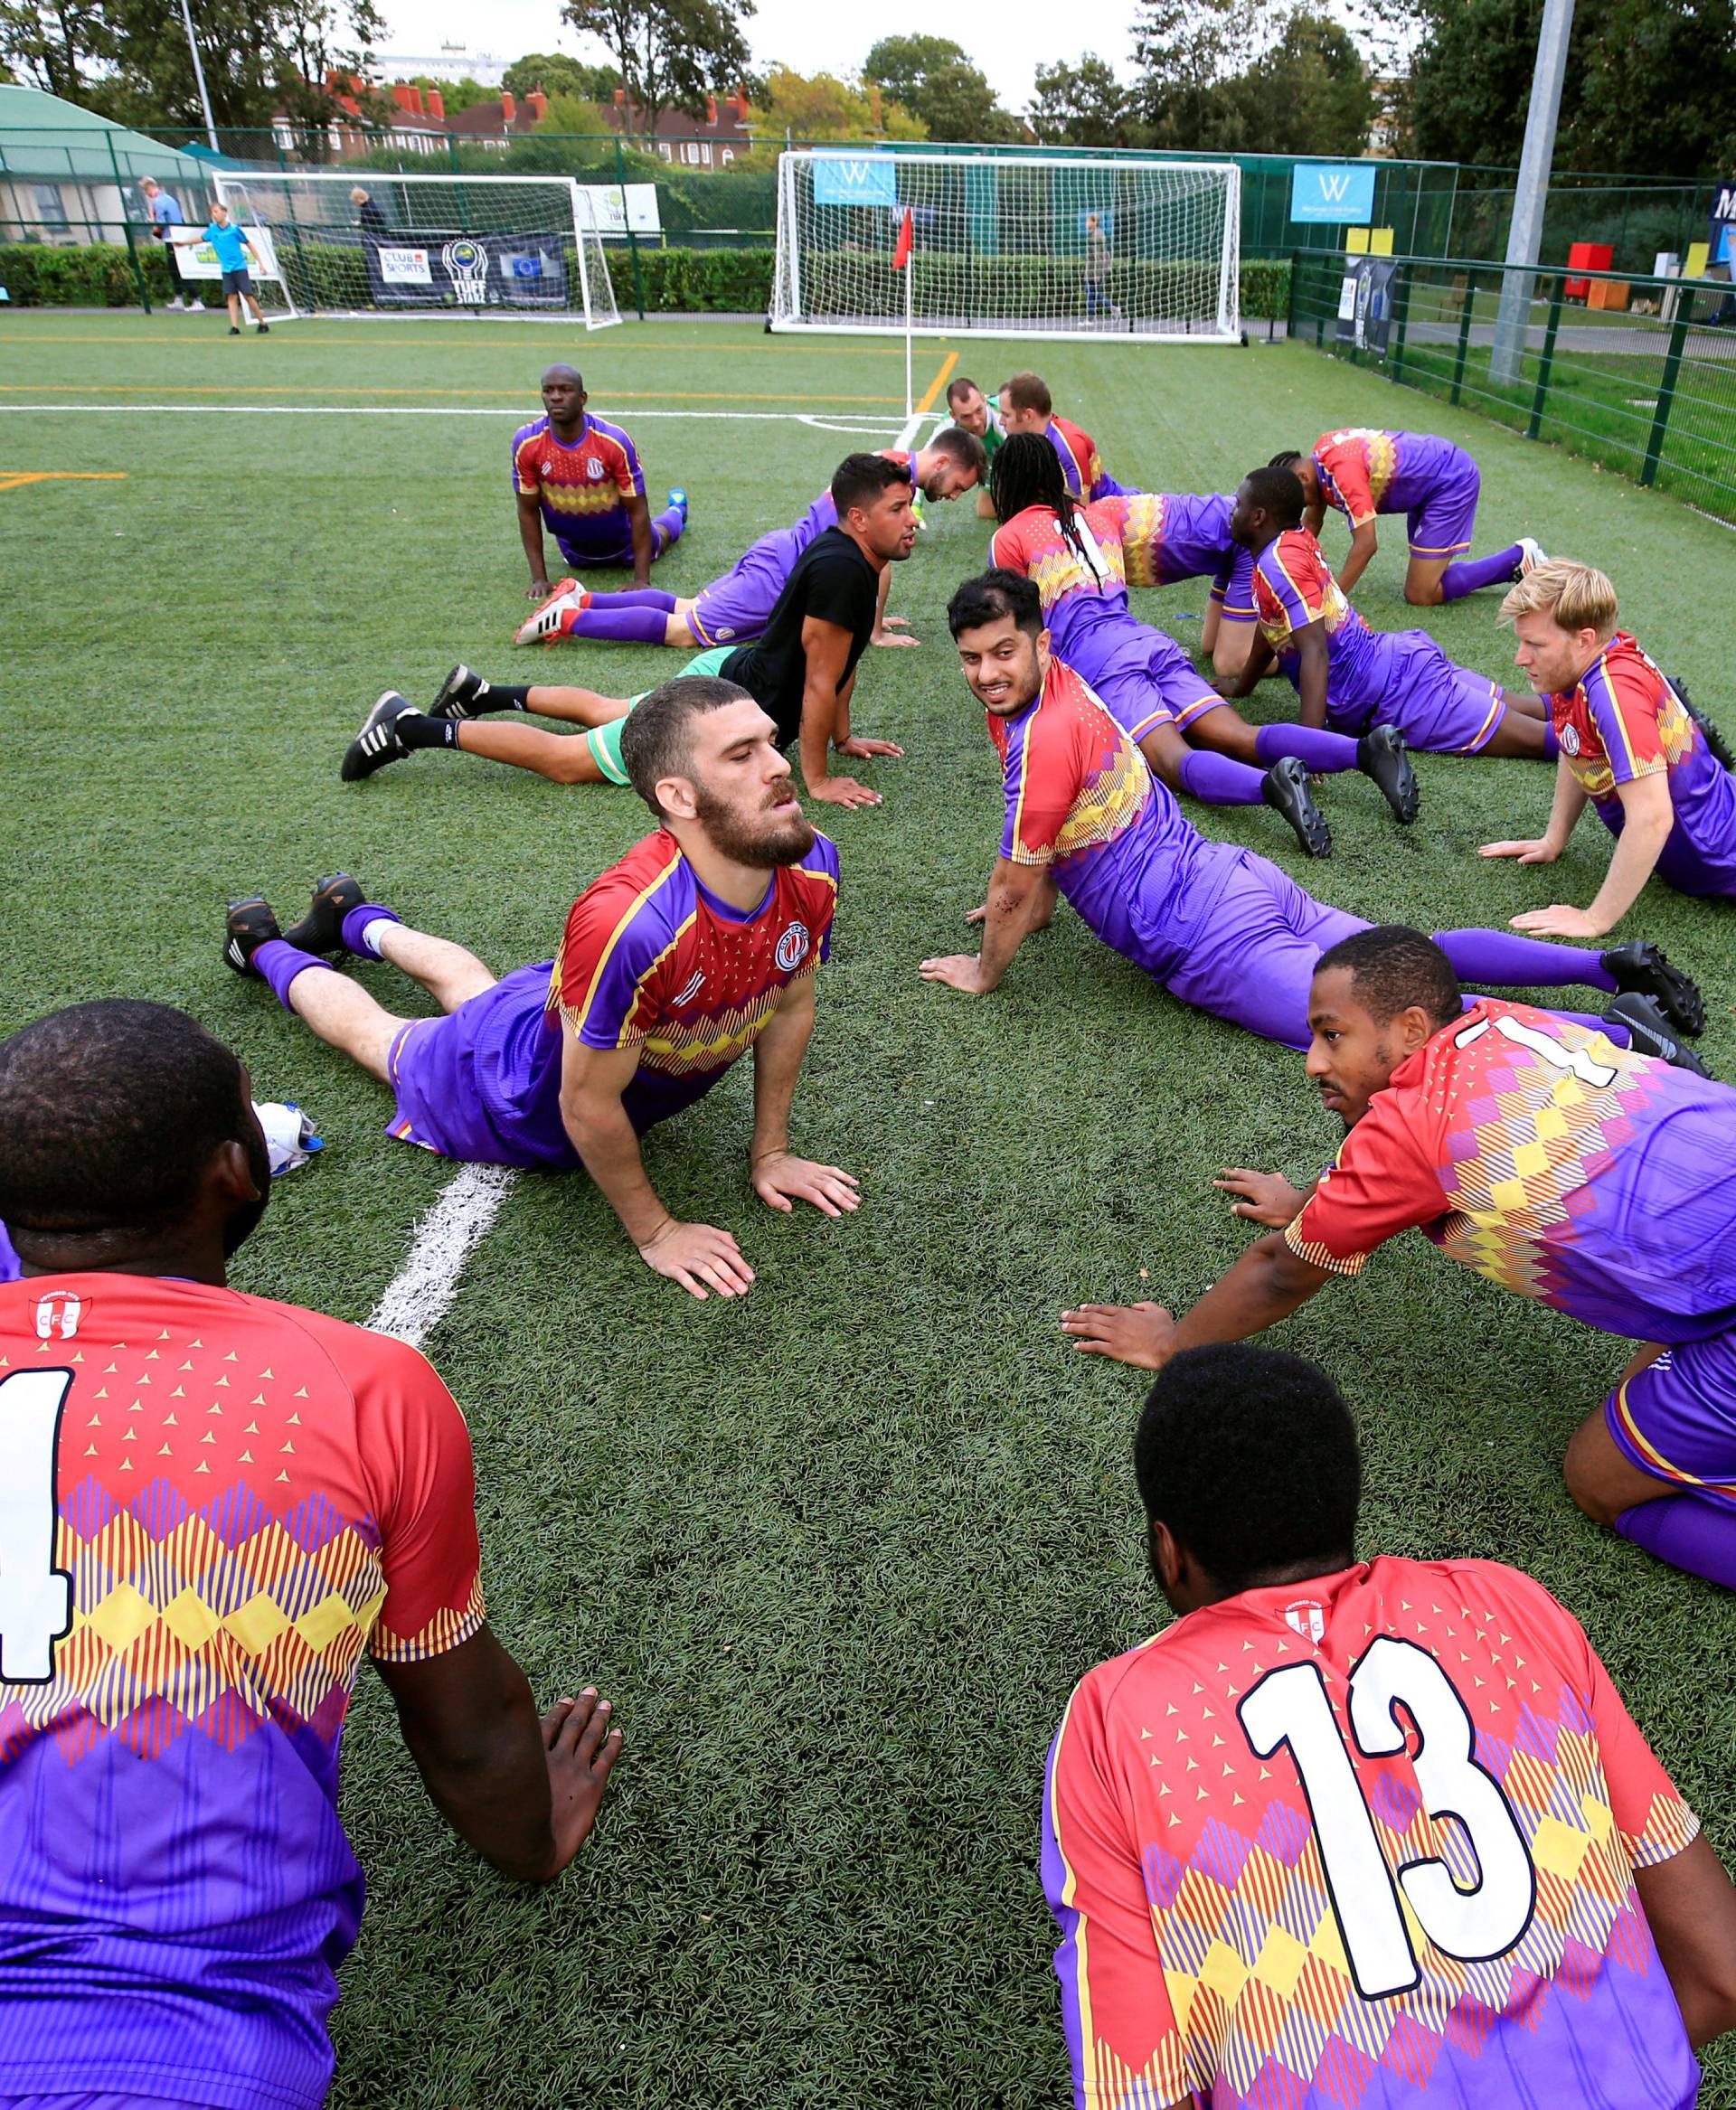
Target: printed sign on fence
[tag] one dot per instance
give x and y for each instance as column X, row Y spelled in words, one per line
column 855, row 179
column 195, row 258
column 1332, row 191
column 403, row 266
column 619, row 207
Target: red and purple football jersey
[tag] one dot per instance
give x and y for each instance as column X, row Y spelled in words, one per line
column 1363, row 472
column 1595, row 1179
column 211, row 1505
column 1080, row 464
column 1624, row 722
column 1368, row 1839
column 582, row 489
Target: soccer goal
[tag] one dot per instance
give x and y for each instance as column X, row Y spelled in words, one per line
column 1008, row 245
column 481, row 245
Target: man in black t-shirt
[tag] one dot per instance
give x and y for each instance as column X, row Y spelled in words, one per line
column 801, row 671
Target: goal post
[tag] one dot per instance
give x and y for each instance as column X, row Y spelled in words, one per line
column 1032, row 246
column 422, row 245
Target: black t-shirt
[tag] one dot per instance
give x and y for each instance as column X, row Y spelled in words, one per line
column 833, row 582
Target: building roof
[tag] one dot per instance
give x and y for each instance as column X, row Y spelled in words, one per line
column 46, row 139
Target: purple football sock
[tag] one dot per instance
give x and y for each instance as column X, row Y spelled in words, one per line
column 1505, row 960
column 638, row 597
column 1470, row 573
column 1325, row 753
column 617, row 625
column 280, row 962
column 1688, row 1530
column 666, row 527
column 1551, row 743
column 354, row 931
column 1217, row 780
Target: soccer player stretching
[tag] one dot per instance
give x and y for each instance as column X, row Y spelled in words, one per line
column 1026, row 405
column 973, row 412
column 702, row 943
column 1630, row 746
column 1360, row 1831
column 215, row 1504
column 1081, row 560
column 1524, row 1146
column 1215, row 925
column 738, row 606
column 803, row 670
column 1348, row 676
column 579, row 477
column 1363, row 474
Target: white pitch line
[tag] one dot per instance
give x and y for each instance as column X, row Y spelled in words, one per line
column 874, row 427
column 417, row 1296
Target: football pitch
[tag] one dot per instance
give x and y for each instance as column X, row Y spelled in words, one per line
column 838, row 1550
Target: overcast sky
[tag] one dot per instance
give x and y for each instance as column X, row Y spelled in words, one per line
column 1006, row 38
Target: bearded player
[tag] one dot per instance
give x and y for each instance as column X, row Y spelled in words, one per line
column 1360, row 1831
column 1214, row 925
column 1363, row 472
column 702, row 943
column 579, row 477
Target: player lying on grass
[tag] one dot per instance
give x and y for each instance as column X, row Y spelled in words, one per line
column 579, row 477
column 738, row 606
column 1215, row 925
column 1026, row 405
column 1630, row 746
column 1362, row 474
column 1348, row 676
column 1081, row 560
column 803, row 670
column 1595, row 1179
column 215, row 1504
column 1361, row 1831
column 973, row 412
column 702, row 943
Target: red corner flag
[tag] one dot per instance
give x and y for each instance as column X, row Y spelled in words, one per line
column 906, row 235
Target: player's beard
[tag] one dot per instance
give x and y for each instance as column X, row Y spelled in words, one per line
column 754, row 839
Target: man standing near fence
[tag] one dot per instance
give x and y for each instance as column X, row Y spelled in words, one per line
column 166, row 212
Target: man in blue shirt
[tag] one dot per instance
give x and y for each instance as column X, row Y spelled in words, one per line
column 233, row 250
column 166, row 212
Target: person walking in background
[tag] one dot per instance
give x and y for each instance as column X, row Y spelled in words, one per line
column 369, row 218
column 1097, row 270
column 233, row 250
column 166, row 212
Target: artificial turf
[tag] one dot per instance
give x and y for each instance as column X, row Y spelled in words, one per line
column 839, row 1550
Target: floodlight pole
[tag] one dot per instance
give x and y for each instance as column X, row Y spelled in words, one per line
column 199, row 75
column 1525, row 237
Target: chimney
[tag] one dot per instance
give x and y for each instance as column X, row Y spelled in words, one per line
column 400, row 94
column 620, row 98
column 539, row 105
column 436, row 102
column 416, row 108
column 711, row 109
column 508, row 107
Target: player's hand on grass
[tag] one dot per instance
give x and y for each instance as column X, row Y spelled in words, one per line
column 1539, row 851
column 958, row 971
column 583, row 1749
column 781, row 1181
column 860, row 748
column 887, row 633
column 1265, row 1198
column 538, row 589
column 1560, row 920
column 705, row 1261
column 843, row 791
column 1140, row 1335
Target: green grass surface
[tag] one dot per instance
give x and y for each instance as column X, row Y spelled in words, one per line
column 840, row 1550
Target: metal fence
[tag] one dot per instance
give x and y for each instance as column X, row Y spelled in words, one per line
column 1636, row 372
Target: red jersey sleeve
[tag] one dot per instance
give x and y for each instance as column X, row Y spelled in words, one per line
column 1291, row 580
column 1041, row 788
column 526, row 478
column 629, row 477
column 1622, row 699
column 1383, row 1182
column 606, row 978
column 1345, row 463
column 1010, row 546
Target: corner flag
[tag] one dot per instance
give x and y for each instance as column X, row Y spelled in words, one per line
column 906, row 238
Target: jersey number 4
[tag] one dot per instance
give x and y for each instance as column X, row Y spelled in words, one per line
column 1290, row 1707
column 35, row 1596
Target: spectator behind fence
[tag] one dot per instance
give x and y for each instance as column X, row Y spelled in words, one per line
column 166, row 212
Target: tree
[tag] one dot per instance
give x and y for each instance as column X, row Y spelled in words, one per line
column 671, row 54
column 1309, row 94
column 557, row 74
column 1083, row 105
column 821, row 107
column 573, row 114
column 933, row 79
column 1186, row 50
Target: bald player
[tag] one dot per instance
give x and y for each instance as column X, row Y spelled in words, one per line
column 579, row 477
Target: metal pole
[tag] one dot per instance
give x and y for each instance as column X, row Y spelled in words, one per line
column 1667, row 387
column 127, row 229
column 1525, row 236
column 626, row 222
column 199, row 75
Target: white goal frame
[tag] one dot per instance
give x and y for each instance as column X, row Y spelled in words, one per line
column 792, row 309
column 598, row 309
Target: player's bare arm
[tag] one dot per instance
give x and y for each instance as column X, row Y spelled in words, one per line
column 1691, row 1908
column 1364, row 542
column 1020, row 896
column 887, row 629
column 1265, row 1198
column 1267, row 1284
column 826, row 649
column 779, row 1178
column 1647, row 818
column 644, row 547
column 705, row 1261
column 523, row 1792
column 859, row 747
column 1314, row 517
column 1569, row 802
column 529, row 533
column 1233, row 687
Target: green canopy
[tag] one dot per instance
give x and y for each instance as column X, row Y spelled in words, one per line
column 44, row 139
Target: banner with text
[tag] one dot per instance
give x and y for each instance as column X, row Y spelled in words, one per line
column 470, row 271
column 1340, row 192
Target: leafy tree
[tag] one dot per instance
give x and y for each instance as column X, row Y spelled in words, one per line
column 1309, row 94
column 933, row 79
column 558, row 73
column 573, row 113
column 822, row 107
column 1083, row 105
column 670, row 53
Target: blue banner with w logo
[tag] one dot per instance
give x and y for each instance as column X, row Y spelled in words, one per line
column 855, row 179
column 1335, row 191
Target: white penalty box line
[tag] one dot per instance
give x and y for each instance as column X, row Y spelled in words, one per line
column 873, row 426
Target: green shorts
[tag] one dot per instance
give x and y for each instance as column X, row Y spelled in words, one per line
column 605, row 740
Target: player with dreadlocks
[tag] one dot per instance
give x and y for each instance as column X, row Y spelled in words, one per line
column 1081, row 559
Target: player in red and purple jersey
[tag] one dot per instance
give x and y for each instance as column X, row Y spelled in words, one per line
column 738, row 606
column 1362, row 472
column 579, row 477
column 1216, row 926
column 1350, row 1831
column 702, row 943
column 1081, row 559
column 1527, row 1146
column 1348, row 676
column 1026, row 405
column 211, row 1506
column 1629, row 746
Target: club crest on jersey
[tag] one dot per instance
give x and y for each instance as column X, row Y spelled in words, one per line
column 792, row 947
column 1307, row 1618
column 1569, row 739
column 593, row 465
column 58, row 1312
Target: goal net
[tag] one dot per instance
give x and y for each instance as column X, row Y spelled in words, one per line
column 423, row 244
column 1008, row 245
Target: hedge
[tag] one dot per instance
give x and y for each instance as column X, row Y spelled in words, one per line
column 677, row 281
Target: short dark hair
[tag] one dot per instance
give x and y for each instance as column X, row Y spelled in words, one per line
column 859, row 478
column 963, row 447
column 1250, row 1456
column 1393, row 968
column 110, row 1114
column 1028, row 391
column 958, row 386
column 564, row 366
column 1277, row 492
column 658, row 739
column 985, row 599
column 1287, row 457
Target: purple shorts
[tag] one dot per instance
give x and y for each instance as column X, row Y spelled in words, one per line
column 1154, row 683
column 1676, row 1419
column 1443, row 524
column 1439, row 707
column 483, row 1083
column 1195, row 540
column 85, row 2099
column 1233, row 589
column 738, row 606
